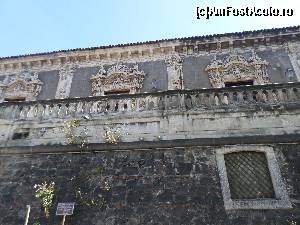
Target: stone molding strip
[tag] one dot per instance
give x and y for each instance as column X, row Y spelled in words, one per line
column 159, row 145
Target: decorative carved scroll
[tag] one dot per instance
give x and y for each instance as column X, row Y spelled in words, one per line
column 23, row 86
column 65, row 81
column 118, row 78
column 237, row 68
column 174, row 70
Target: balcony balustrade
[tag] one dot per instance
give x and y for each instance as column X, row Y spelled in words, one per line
column 180, row 100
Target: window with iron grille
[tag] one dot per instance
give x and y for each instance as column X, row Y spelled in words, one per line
column 248, row 175
column 250, row 178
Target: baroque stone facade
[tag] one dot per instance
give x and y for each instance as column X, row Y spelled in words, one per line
column 191, row 131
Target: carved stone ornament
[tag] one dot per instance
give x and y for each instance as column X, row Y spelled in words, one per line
column 117, row 79
column 23, row 86
column 236, row 68
column 174, row 70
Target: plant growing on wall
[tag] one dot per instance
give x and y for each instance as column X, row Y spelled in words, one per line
column 69, row 129
column 113, row 134
column 45, row 192
column 91, row 187
column 84, row 198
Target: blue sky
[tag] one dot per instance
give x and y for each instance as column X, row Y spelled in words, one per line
column 34, row 26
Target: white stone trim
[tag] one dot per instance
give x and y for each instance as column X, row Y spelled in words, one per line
column 282, row 199
column 65, row 81
column 174, row 71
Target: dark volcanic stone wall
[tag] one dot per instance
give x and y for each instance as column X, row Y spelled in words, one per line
column 164, row 187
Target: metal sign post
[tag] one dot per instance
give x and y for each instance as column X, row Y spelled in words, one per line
column 64, row 219
column 65, row 209
column 27, row 214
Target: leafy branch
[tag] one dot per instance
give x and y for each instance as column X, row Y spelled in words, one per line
column 45, row 192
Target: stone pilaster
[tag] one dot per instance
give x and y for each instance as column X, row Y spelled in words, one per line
column 294, row 54
column 174, row 71
column 65, row 81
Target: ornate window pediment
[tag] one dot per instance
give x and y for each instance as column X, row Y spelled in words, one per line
column 117, row 79
column 24, row 86
column 237, row 68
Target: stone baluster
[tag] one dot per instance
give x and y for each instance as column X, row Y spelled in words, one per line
column 156, row 101
column 240, row 99
column 134, row 104
column 217, row 99
column 151, row 103
column 281, row 95
column 225, row 99
column 39, row 111
column 129, row 102
column 23, row 113
column 146, row 108
column 265, row 96
column 88, row 107
column 94, row 107
column 15, row 114
column 54, row 111
column 275, row 95
column 200, row 100
column 143, row 103
column 62, row 110
column 46, row 111
column 211, row 99
column 79, row 108
column 269, row 95
column 31, row 112
column 72, row 108
column 138, row 104
column 115, row 105
column 188, row 102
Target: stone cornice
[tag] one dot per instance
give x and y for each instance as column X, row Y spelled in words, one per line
column 161, row 145
column 150, row 51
